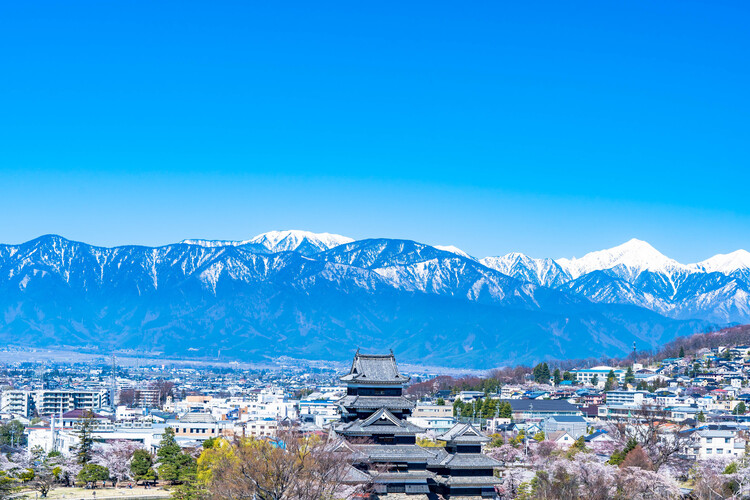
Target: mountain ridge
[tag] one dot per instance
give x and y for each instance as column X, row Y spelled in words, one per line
column 431, row 303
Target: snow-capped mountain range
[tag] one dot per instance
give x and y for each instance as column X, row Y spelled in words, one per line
column 635, row 273
column 321, row 295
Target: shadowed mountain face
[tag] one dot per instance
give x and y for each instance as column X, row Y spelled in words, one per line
column 431, row 306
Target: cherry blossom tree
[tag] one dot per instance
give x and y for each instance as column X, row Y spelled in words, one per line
column 635, row 483
column 116, row 456
column 505, row 453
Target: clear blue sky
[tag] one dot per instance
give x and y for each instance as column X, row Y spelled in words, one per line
column 551, row 128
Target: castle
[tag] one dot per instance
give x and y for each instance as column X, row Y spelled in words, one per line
column 383, row 443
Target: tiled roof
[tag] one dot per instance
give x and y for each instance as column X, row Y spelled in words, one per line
column 470, row 461
column 470, row 480
column 463, row 433
column 380, row 422
column 374, row 369
column 197, row 418
column 395, row 402
column 415, row 476
column 355, row 476
column 389, row 453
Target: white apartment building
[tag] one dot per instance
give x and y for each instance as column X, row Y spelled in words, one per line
column 17, row 403
column 323, row 411
column 432, row 411
column 600, row 372
column 707, row 444
column 52, row 402
column 56, row 402
column 625, row 397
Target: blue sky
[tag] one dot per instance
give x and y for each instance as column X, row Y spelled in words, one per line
column 551, row 128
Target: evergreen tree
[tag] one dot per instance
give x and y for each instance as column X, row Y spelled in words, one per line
column 169, row 457
column 700, row 417
column 682, row 352
column 568, row 376
column 541, row 373
column 85, row 438
column 611, row 382
column 740, row 409
column 141, row 466
column 91, row 473
column 595, row 380
column 440, row 402
column 557, row 376
column 505, row 411
column 630, row 376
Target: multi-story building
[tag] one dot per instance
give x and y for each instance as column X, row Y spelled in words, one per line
column 624, row 397
column 432, row 411
column 52, row 402
column 715, row 443
column 56, row 402
column 18, row 403
column 587, row 375
column 382, row 441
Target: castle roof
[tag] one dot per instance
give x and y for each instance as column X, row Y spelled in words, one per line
column 381, row 422
column 374, row 369
column 375, row 402
column 464, row 434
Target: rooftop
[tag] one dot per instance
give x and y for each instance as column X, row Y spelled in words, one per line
column 374, row 369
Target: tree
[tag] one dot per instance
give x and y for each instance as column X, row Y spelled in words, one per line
column 661, row 440
column 740, row 409
column 91, row 473
column 292, row 466
column 611, row 382
column 629, row 376
column 174, row 466
column 700, row 417
column 557, row 376
column 116, row 456
column 505, row 410
column 141, row 466
column 682, row 352
column 617, row 457
column 43, row 467
column 440, row 402
column 595, row 380
column 541, row 373
column 637, row 458
column 568, row 376
column 12, row 433
column 85, row 431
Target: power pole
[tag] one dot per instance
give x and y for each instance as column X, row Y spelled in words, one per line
column 113, row 401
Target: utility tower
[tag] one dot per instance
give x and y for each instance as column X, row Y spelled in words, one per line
column 113, row 396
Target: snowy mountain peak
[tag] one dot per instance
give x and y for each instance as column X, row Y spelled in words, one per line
column 545, row 272
column 302, row 241
column 634, row 257
column 215, row 243
column 453, row 249
column 725, row 263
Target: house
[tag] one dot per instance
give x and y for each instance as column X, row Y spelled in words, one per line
column 715, row 443
column 562, row 439
column 598, row 436
column 575, row 426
